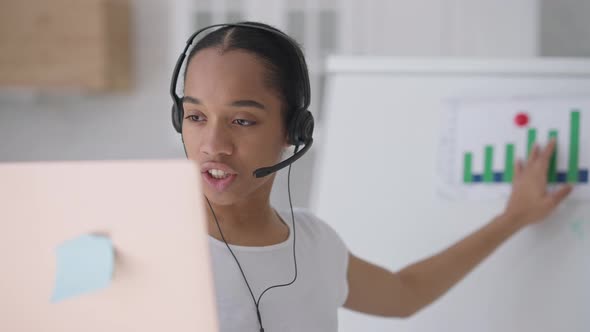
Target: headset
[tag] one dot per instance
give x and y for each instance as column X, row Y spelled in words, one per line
column 299, row 130
column 300, row 124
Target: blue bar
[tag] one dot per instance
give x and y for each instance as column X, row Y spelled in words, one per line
column 561, row 177
column 583, row 176
column 498, row 177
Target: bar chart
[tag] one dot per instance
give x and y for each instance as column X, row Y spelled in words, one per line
column 573, row 174
column 483, row 139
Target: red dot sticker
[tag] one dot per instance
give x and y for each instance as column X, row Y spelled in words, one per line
column 521, row 119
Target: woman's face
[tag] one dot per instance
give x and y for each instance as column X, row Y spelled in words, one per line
column 232, row 124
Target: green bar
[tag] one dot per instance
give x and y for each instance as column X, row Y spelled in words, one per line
column 532, row 137
column 572, row 170
column 552, row 176
column 488, row 173
column 467, row 169
column 509, row 163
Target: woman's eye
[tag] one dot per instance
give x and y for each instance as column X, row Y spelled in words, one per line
column 195, row 118
column 245, row 123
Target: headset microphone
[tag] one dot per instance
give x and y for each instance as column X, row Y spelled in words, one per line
column 264, row 171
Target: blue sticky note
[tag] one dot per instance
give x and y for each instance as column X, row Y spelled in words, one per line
column 84, row 264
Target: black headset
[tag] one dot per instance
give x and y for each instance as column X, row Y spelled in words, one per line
column 299, row 125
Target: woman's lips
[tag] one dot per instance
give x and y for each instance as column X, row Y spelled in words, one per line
column 209, row 165
column 218, row 184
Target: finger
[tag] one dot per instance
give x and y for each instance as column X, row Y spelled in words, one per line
column 518, row 168
column 534, row 154
column 561, row 194
column 548, row 151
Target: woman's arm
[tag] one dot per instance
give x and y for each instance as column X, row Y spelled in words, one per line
column 377, row 291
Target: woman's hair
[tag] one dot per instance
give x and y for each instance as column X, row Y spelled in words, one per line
column 278, row 54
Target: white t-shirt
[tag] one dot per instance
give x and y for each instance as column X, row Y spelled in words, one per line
column 310, row 304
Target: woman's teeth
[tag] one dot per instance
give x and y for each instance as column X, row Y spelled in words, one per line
column 218, row 174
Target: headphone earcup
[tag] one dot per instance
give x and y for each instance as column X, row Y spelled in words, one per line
column 176, row 118
column 301, row 128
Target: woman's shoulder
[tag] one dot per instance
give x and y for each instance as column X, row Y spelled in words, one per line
column 303, row 216
column 310, row 223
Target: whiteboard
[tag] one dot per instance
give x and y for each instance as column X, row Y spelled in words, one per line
column 375, row 184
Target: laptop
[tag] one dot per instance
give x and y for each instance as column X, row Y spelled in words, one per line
column 152, row 214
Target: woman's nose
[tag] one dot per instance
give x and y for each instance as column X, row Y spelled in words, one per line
column 216, row 140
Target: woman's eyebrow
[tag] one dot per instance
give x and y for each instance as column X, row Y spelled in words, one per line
column 237, row 103
column 248, row 103
column 192, row 100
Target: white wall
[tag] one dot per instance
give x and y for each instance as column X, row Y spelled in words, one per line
column 485, row 28
column 500, row 28
column 564, row 28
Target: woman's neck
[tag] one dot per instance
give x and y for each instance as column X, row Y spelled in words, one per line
column 242, row 216
column 246, row 224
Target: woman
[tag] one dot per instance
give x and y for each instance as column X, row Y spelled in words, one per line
column 243, row 86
